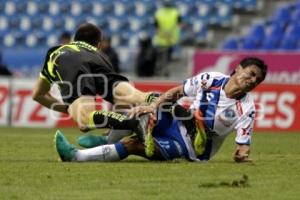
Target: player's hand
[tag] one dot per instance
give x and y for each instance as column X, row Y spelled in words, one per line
column 136, row 111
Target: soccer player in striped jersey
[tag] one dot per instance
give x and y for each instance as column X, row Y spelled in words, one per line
column 221, row 104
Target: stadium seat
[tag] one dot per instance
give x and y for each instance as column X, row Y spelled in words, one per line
column 296, row 16
column 69, row 23
column 223, row 15
column 122, row 8
column 257, row 34
column 231, row 43
column 293, row 30
column 276, row 30
column 47, row 23
column 203, row 11
column 25, row 23
column 116, row 24
column 54, row 8
column 10, row 8
column 248, row 5
column 31, row 40
column 32, row 8
column 199, row 28
column 144, row 8
column 271, row 43
column 289, row 42
column 186, row 7
column 52, row 39
column 9, row 40
column 3, row 23
column 75, row 9
column 282, row 15
column 249, row 43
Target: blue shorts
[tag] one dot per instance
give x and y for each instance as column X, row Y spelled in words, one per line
column 167, row 136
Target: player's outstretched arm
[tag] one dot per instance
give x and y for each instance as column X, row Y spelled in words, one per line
column 172, row 95
column 242, row 154
column 41, row 95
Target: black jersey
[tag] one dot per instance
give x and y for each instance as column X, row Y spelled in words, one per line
column 79, row 69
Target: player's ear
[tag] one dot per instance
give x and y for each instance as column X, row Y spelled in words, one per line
column 238, row 68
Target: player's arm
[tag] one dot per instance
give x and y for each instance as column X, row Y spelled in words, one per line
column 42, row 95
column 243, row 139
column 170, row 96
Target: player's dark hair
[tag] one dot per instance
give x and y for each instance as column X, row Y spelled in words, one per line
column 248, row 61
column 88, row 33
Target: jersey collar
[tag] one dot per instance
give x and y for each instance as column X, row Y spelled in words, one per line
column 84, row 45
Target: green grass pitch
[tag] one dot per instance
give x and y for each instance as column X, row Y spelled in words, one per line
column 29, row 170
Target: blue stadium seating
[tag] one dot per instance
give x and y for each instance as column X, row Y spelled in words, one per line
column 281, row 31
column 231, row 43
column 245, row 4
column 223, row 15
column 133, row 15
column 289, row 43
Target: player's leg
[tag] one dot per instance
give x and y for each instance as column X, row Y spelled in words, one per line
column 193, row 122
column 111, row 137
column 125, row 93
column 104, row 153
column 90, row 140
column 83, row 112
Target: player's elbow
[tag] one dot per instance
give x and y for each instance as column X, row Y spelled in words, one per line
column 36, row 97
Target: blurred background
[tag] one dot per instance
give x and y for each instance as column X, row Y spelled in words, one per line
column 159, row 41
column 29, row 27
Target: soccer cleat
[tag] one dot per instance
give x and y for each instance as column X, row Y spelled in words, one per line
column 90, row 141
column 144, row 132
column 149, row 141
column 200, row 141
column 142, row 126
column 65, row 150
column 201, row 136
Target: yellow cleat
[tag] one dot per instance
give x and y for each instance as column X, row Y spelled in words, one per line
column 201, row 137
column 149, row 141
column 200, row 141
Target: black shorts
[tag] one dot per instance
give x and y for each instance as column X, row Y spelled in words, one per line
column 90, row 84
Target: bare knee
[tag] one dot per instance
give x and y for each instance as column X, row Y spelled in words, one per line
column 80, row 110
column 125, row 93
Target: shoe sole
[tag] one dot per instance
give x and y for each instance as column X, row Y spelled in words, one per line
column 149, row 140
column 58, row 158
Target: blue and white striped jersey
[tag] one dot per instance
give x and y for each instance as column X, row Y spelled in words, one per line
column 222, row 115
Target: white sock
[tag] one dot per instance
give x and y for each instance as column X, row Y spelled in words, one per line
column 101, row 153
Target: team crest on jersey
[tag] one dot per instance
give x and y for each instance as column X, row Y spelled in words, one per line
column 229, row 113
column 227, row 117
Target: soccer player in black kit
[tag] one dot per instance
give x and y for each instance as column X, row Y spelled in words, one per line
column 82, row 71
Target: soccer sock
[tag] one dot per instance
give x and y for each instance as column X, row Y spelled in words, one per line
column 151, row 97
column 104, row 153
column 107, row 119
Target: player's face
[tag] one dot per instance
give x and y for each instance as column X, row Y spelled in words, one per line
column 249, row 77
